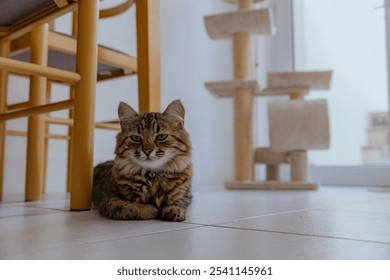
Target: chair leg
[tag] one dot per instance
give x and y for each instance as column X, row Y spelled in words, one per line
column 70, row 143
column 84, row 107
column 71, row 113
column 148, row 55
column 4, row 52
column 47, row 132
column 36, row 124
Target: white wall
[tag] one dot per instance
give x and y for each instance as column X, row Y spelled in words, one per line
column 189, row 58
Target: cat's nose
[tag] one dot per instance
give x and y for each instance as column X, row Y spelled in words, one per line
column 147, row 152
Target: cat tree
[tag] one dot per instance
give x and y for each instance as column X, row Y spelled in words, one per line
column 304, row 124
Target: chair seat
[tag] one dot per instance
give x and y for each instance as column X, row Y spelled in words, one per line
column 62, row 54
column 22, row 9
column 17, row 14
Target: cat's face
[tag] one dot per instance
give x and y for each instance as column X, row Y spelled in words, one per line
column 153, row 141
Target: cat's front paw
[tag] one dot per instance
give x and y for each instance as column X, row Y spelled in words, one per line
column 173, row 213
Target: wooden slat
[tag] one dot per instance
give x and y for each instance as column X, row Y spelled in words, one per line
column 57, row 136
column 60, row 121
column 49, row 136
column 112, row 75
column 16, row 133
column 38, row 110
column 117, row 59
column 18, row 106
column 62, row 43
column 112, row 121
column 69, row 122
column 21, row 44
column 67, row 44
column 4, row 30
column 117, row 10
column 108, row 126
column 38, row 70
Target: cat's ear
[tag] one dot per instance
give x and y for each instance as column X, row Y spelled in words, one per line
column 125, row 112
column 176, row 110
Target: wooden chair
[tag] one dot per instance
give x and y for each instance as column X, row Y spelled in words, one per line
column 61, row 54
column 83, row 81
column 113, row 64
column 33, row 16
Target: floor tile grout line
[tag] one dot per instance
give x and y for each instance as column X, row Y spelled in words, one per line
column 303, row 234
column 265, row 215
column 49, row 212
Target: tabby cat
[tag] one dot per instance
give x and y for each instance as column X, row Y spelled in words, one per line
column 151, row 174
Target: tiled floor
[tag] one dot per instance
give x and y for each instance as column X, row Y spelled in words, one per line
column 330, row 223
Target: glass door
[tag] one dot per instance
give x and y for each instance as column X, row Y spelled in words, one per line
column 348, row 37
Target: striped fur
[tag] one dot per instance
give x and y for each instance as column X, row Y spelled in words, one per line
column 151, row 174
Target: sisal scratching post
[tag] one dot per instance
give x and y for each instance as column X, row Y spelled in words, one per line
column 299, row 165
column 243, row 104
column 272, row 172
column 240, row 26
column 295, row 126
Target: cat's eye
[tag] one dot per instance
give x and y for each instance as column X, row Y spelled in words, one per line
column 136, row 138
column 161, row 137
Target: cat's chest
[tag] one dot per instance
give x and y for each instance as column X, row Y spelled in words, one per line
column 157, row 188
